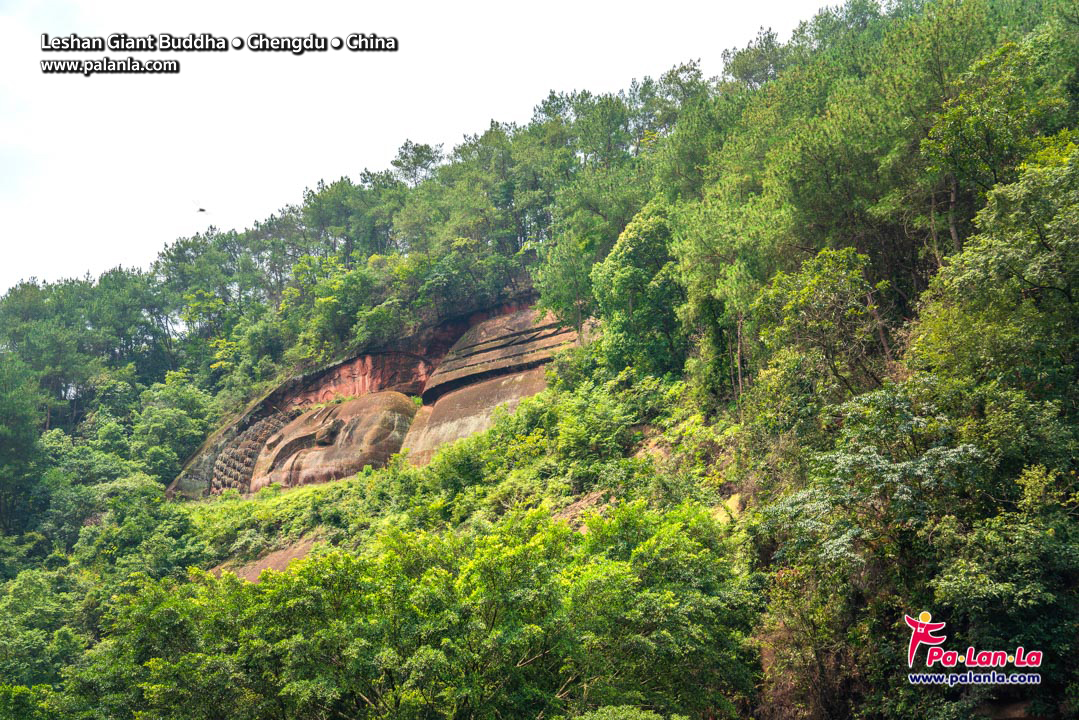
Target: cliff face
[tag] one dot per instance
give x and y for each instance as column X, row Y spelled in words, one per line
column 462, row 370
column 335, row 441
column 496, row 363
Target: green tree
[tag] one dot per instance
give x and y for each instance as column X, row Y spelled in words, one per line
column 1005, row 308
column 19, row 422
column 564, row 282
column 174, row 420
column 828, row 306
column 637, row 292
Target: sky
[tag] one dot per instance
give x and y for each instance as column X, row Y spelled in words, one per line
column 102, row 171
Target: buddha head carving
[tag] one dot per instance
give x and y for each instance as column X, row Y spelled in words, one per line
column 335, row 441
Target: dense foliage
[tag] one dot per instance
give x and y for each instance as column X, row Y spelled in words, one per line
column 830, row 377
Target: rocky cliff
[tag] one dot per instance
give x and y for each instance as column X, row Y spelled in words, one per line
column 334, row 441
column 427, row 390
column 496, row 363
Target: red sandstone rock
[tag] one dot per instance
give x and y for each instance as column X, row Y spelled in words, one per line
column 335, row 441
column 474, row 363
column 467, row 411
column 496, row 363
column 504, row 344
column 403, row 372
column 278, row 560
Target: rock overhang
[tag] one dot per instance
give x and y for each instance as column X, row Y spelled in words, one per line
column 329, row 424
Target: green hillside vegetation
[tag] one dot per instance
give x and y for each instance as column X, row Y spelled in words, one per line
column 831, row 378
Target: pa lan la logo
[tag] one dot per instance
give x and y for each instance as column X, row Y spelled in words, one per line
column 923, row 631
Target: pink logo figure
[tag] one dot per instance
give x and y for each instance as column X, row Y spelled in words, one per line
column 922, row 633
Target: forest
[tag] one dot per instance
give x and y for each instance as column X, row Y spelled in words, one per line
column 830, row 378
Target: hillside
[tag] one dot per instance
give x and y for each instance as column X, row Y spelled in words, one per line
column 678, row 402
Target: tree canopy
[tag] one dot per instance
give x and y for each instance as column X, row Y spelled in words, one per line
column 828, row 378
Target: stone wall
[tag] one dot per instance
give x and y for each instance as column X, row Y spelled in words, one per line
column 468, row 410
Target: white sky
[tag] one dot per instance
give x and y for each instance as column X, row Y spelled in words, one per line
column 104, row 170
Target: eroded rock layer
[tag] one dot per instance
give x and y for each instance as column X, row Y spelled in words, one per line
column 335, row 441
column 468, row 410
column 495, row 364
column 510, row 343
column 400, row 371
column 463, row 370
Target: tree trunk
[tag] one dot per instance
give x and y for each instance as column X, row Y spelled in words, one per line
column 740, row 387
column 933, row 226
column 952, row 197
column 733, row 360
column 880, row 327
